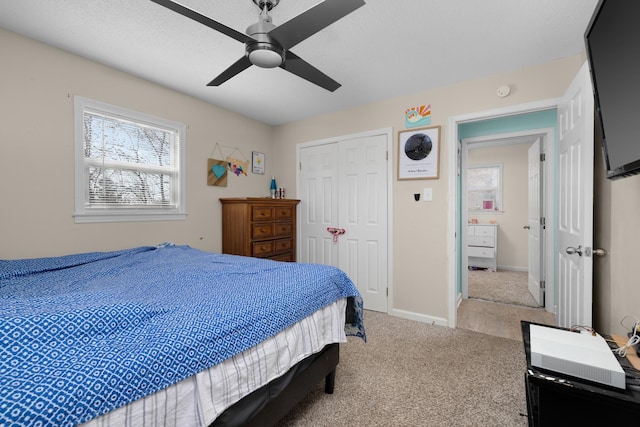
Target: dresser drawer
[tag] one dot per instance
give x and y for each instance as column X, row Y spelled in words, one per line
column 481, row 241
column 262, row 213
column 482, row 230
column 262, row 231
column 482, row 262
column 282, row 245
column 272, row 247
column 481, row 252
column 288, row 257
column 284, row 212
column 269, row 230
column 262, row 249
column 283, row 229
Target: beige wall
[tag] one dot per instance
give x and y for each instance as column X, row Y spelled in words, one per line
column 513, row 248
column 616, row 290
column 420, row 282
column 36, row 170
column 36, row 154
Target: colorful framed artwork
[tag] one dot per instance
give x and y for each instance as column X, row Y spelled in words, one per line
column 257, row 162
column 487, row 205
column 217, row 173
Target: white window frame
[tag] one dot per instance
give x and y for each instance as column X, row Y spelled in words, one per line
column 84, row 212
column 498, row 201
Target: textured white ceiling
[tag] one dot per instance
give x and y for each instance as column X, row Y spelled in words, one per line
column 382, row 50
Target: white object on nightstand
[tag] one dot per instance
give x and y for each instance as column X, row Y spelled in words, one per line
column 581, row 355
column 482, row 245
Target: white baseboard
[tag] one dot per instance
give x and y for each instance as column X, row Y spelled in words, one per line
column 511, row 268
column 419, row 317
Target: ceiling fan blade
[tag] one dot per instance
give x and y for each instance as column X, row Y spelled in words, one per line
column 313, row 20
column 296, row 65
column 189, row 13
column 239, row 66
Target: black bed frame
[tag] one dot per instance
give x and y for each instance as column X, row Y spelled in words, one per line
column 267, row 405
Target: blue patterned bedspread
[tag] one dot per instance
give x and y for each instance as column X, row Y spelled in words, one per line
column 81, row 335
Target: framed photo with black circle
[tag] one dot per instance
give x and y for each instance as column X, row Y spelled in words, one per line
column 418, row 153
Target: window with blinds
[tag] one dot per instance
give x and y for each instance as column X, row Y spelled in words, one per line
column 129, row 165
column 484, row 188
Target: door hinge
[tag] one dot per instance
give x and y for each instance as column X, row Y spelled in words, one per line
column 543, row 157
column 387, row 155
column 543, row 285
column 543, row 222
column 300, row 166
column 387, row 292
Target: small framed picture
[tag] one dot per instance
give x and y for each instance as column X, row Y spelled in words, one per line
column 257, row 162
column 487, row 205
column 418, row 152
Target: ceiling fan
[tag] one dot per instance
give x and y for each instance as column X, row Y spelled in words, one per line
column 268, row 45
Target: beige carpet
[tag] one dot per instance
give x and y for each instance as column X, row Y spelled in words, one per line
column 506, row 286
column 414, row 374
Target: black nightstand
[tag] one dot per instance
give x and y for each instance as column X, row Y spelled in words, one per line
column 557, row 400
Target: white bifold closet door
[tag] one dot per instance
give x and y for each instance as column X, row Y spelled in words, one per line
column 343, row 185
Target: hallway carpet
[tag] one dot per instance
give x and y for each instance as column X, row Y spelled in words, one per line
column 505, row 286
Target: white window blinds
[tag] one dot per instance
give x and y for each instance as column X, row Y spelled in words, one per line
column 128, row 165
column 484, row 188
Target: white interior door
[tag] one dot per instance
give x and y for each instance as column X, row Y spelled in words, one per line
column 575, row 203
column 343, row 185
column 535, row 264
column 318, row 194
column 362, row 193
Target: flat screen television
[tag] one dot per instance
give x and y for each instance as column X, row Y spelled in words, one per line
column 612, row 43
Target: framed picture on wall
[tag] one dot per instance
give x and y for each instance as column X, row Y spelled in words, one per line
column 257, row 162
column 487, row 205
column 418, row 153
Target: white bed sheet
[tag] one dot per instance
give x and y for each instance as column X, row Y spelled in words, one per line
column 198, row 400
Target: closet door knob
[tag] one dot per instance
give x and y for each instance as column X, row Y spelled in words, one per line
column 571, row 250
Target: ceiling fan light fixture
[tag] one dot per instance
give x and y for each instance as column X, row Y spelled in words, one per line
column 268, row 45
column 265, row 55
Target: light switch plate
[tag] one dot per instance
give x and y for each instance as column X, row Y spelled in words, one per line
column 427, row 194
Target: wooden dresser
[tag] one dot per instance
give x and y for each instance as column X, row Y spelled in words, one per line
column 259, row 227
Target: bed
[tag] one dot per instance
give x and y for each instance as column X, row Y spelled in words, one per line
column 167, row 335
